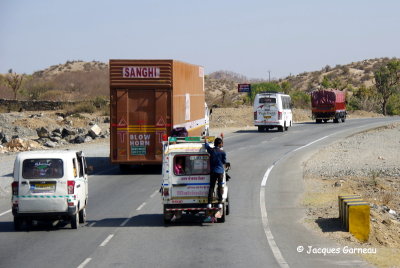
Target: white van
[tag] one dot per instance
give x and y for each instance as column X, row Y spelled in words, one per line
column 50, row 185
column 272, row 110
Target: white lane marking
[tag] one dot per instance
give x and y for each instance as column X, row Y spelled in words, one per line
column 308, row 144
column 141, row 206
column 83, row 264
column 270, row 238
column 153, row 194
column 264, row 217
column 5, row 212
column 92, row 224
column 125, row 222
column 265, row 178
column 107, row 240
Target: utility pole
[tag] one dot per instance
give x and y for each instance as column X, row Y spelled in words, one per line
column 269, row 76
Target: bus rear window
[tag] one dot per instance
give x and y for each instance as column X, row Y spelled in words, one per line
column 192, row 165
column 42, row 169
column 267, row 100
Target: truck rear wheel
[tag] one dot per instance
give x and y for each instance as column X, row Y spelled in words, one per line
column 336, row 120
column 318, row 121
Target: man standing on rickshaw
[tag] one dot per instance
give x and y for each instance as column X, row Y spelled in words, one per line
column 217, row 162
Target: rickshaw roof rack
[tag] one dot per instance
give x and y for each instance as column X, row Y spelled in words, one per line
column 191, row 139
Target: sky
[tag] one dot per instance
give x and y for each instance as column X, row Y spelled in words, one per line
column 255, row 38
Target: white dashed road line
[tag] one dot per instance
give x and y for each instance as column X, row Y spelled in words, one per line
column 5, row 212
column 83, row 264
column 107, row 240
column 141, row 206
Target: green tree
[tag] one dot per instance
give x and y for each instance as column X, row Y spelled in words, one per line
column 286, row 86
column 263, row 87
column 387, row 80
column 326, row 83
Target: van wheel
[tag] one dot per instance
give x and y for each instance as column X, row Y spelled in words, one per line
column 286, row 127
column 227, row 210
column 281, row 129
column 17, row 223
column 75, row 221
column 82, row 215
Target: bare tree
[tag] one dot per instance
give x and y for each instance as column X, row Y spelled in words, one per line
column 13, row 81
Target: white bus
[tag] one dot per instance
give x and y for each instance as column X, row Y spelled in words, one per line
column 272, row 110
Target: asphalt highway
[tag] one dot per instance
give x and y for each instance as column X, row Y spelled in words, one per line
column 125, row 224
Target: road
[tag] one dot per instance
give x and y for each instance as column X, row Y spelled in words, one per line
column 125, row 224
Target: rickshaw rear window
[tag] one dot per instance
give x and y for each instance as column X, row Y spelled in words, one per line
column 191, row 165
column 42, row 169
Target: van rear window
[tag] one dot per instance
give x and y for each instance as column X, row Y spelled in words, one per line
column 267, row 100
column 42, row 169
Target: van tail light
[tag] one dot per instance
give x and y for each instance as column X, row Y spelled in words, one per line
column 71, row 187
column 166, row 191
column 255, row 115
column 14, row 187
column 279, row 115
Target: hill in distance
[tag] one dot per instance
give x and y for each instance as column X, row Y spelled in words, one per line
column 79, row 79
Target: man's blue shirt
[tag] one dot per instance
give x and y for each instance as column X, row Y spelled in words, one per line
column 217, row 159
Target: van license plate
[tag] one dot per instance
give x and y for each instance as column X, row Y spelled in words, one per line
column 43, row 187
column 267, row 116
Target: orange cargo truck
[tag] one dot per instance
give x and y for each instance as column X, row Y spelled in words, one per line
column 150, row 100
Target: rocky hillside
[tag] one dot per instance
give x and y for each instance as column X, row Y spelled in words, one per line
column 75, row 80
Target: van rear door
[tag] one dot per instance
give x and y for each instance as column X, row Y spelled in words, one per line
column 42, row 187
column 268, row 109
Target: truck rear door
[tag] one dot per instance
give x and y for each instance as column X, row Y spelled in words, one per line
column 141, row 118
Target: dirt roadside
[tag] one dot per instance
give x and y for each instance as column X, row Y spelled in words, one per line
column 367, row 164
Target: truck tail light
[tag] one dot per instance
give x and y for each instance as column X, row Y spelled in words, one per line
column 166, row 191
column 14, row 187
column 71, row 187
column 255, row 115
column 279, row 115
column 165, row 137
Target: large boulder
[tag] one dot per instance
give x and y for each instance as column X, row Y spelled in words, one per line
column 94, row 131
column 43, row 132
column 67, row 132
column 79, row 139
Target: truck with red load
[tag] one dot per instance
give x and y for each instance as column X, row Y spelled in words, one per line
column 328, row 104
column 149, row 100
